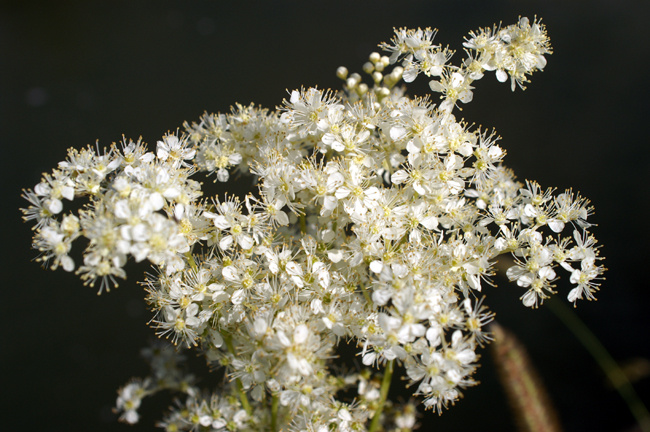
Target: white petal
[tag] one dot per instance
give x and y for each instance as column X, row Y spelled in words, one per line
column 205, row 420
column 68, row 193
column 330, row 203
column 329, row 139
column 156, row 200
column 575, row 276
column 344, row 414
column 139, row 251
column 192, row 310
column 381, row 297
column 219, row 424
column 67, row 263
column 238, row 297
column 300, row 334
column 335, row 180
column 530, row 211
column 324, row 279
column 457, row 79
column 235, row 159
column 419, row 188
column 42, row 189
column 390, row 354
column 466, row 356
column 525, row 280
column 327, row 235
column 436, row 86
column 409, row 74
column 342, row 192
column 575, row 294
column 456, row 337
column 245, row 241
column 294, row 269
column 283, row 339
column 369, row 358
column 376, row 266
column 466, row 96
column 281, row 218
column 221, row 222
column 230, row 273
column 529, row 299
column 215, row 338
column 140, row 233
column 547, row 273
column 373, row 193
column 161, row 152
column 430, row 222
column 226, row 242
column 556, row 225
column 122, row 210
column 397, row 132
column 399, row 177
column 171, row 193
column 335, row 255
column 298, row 281
column 55, row 206
column 400, row 270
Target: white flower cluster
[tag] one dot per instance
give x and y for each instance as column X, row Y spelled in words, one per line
column 128, row 188
column 378, row 219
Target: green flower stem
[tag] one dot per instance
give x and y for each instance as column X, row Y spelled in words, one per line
column 228, row 340
column 367, row 296
column 383, row 392
column 605, row 361
column 240, row 388
column 275, row 404
column 387, row 166
column 303, row 224
column 191, row 261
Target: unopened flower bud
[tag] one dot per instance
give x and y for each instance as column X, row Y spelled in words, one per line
column 362, row 89
column 368, row 67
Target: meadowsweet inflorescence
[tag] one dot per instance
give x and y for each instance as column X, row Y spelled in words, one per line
column 378, row 219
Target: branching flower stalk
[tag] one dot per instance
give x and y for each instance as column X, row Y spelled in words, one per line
column 383, row 395
column 377, row 219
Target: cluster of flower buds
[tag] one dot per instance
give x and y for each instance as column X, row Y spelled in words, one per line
column 378, row 219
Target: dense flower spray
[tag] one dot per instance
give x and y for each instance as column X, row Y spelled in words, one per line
column 378, row 219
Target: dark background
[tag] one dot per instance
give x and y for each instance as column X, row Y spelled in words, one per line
column 73, row 72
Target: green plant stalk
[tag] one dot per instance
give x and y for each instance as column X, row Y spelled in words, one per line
column 303, row 224
column 191, row 261
column 367, row 296
column 275, row 404
column 613, row 371
column 228, row 340
column 383, row 392
column 239, row 386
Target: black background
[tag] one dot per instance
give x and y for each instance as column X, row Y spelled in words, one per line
column 73, row 72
